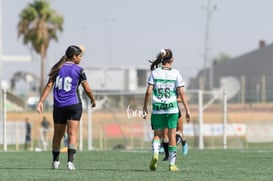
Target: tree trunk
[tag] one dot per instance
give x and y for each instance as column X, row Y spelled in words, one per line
column 42, row 79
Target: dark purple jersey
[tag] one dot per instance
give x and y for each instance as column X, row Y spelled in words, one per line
column 66, row 85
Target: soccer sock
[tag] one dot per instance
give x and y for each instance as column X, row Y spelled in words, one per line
column 166, row 148
column 56, row 153
column 172, row 155
column 156, row 146
column 178, row 137
column 183, row 142
column 71, row 153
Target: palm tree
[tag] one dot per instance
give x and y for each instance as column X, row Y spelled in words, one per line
column 38, row 25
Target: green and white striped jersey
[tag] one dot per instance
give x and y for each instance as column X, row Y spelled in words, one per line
column 165, row 82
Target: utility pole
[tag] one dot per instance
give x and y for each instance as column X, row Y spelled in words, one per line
column 208, row 64
column 1, row 91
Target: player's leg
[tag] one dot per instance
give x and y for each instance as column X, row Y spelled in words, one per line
column 165, row 144
column 180, row 138
column 28, row 142
column 59, row 129
column 184, row 145
column 56, row 143
column 157, row 126
column 179, row 130
column 74, row 112
column 72, row 133
column 172, row 126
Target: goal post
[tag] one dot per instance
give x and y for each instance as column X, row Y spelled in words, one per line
column 202, row 107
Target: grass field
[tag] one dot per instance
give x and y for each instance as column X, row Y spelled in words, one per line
column 211, row 165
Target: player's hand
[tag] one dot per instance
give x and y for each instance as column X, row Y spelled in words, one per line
column 188, row 117
column 40, row 107
column 93, row 104
column 144, row 113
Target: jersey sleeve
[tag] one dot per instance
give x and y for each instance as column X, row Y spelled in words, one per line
column 179, row 81
column 150, row 79
column 82, row 76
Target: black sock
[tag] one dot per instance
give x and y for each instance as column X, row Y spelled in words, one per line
column 71, row 154
column 166, row 149
column 55, row 155
column 183, row 142
column 178, row 139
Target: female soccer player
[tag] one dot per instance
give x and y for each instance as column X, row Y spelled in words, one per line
column 65, row 77
column 164, row 84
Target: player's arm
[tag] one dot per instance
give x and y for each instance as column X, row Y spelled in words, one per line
column 148, row 94
column 87, row 89
column 181, row 94
column 89, row 93
column 45, row 92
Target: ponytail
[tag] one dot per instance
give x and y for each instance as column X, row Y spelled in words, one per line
column 55, row 69
column 164, row 56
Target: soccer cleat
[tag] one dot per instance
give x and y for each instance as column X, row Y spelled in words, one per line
column 153, row 164
column 55, row 165
column 185, row 149
column 166, row 158
column 70, row 166
column 173, row 168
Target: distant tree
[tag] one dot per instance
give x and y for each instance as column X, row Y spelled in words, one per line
column 38, row 25
column 220, row 58
column 27, row 77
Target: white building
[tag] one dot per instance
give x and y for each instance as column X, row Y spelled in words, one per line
column 124, row 79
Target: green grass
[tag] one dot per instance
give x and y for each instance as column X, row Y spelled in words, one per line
column 211, row 165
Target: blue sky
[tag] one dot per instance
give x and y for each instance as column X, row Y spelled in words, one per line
column 129, row 32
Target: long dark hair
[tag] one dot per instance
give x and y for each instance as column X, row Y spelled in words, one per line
column 70, row 52
column 164, row 56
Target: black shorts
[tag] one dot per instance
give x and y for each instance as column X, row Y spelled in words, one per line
column 62, row 114
column 28, row 138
